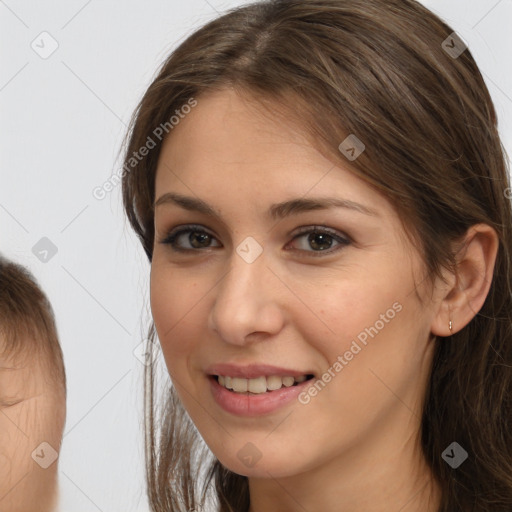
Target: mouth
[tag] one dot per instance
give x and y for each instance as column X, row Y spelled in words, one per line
column 259, row 385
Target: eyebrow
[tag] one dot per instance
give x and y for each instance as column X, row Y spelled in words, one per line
column 276, row 211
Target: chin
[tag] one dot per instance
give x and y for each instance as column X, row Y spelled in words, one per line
column 277, row 466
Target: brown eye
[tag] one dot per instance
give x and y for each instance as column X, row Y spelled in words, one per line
column 321, row 240
column 197, row 239
column 316, row 241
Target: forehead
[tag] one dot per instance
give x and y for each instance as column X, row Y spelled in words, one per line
column 231, row 143
column 230, row 129
column 26, row 371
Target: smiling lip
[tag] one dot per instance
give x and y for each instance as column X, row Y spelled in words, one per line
column 249, row 405
column 253, row 371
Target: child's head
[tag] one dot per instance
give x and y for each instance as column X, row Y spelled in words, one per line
column 32, row 393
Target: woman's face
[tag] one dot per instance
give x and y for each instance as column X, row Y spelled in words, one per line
column 254, row 290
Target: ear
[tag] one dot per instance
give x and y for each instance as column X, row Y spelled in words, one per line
column 470, row 283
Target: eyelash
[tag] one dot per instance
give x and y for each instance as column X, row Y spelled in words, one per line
column 343, row 241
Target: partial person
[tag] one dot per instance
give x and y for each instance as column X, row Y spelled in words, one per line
column 32, row 394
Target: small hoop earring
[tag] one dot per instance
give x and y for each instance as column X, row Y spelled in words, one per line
column 450, row 326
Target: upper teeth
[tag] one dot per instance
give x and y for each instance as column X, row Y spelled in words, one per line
column 259, row 384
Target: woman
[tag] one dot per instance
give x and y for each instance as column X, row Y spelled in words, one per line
column 323, row 196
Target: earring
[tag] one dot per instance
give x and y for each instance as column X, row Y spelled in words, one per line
column 450, row 326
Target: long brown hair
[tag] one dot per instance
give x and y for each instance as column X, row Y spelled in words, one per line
column 380, row 69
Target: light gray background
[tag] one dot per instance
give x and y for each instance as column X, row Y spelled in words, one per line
column 62, row 120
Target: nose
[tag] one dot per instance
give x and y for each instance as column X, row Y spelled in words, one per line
column 247, row 302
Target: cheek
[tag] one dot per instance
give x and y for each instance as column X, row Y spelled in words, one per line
column 176, row 303
column 365, row 322
column 360, row 304
column 375, row 339
column 169, row 299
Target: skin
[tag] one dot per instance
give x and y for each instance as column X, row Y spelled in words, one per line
column 32, row 411
column 355, row 446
